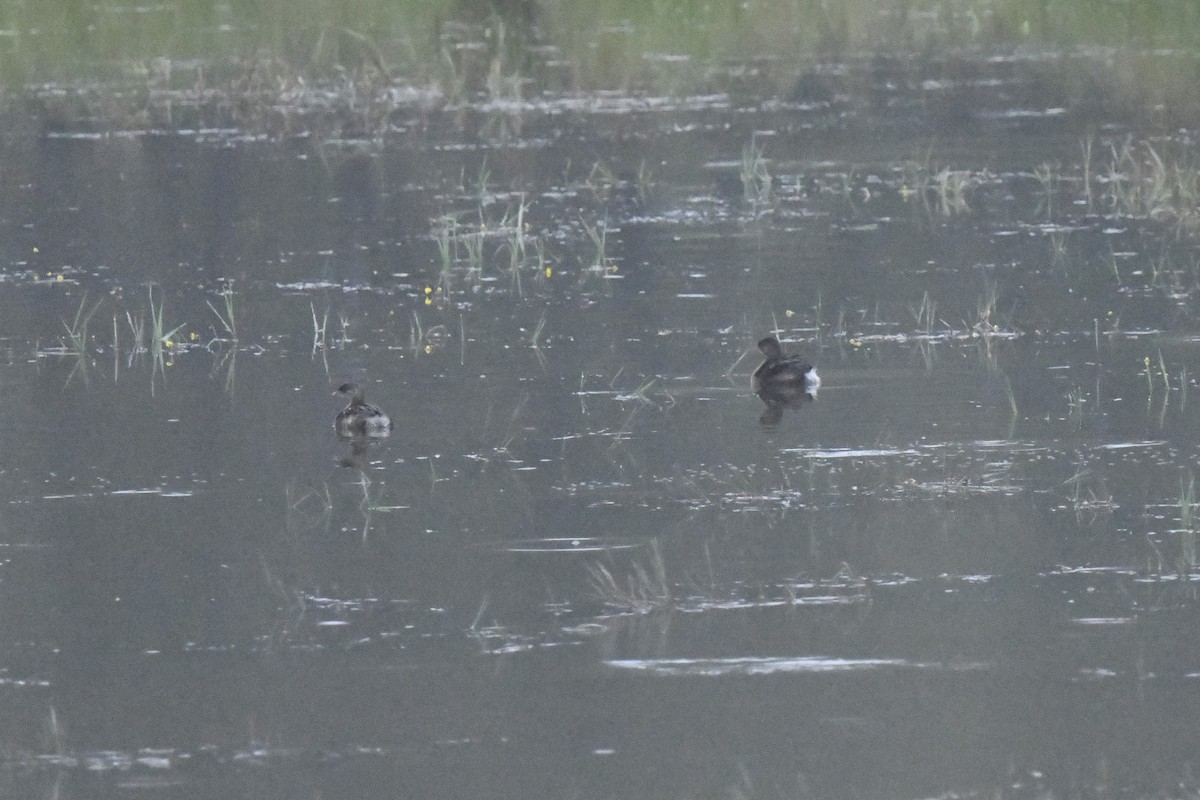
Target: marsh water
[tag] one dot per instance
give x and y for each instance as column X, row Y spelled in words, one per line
column 589, row 561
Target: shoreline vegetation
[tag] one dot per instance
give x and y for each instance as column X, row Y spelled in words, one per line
column 363, row 68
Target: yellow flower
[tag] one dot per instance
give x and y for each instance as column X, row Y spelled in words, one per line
column 428, row 290
column 169, row 343
column 549, row 272
column 60, row 277
column 789, row 313
column 428, row 301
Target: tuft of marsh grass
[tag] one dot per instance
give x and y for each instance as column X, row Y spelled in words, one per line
column 227, row 320
column 481, row 181
column 319, row 328
column 1012, row 399
column 1086, row 146
column 473, row 242
column 598, row 234
column 1048, row 180
column 514, row 241
column 535, row 337
column 643, row 590
column 925, row 314
column 756, row 177
column 1059, row 254
column 1075, row 405
column 985, row 309
column 415, row 334
column 543, row 265
column 640, row 394
column 952, row 186
column 734, row 365
column 1084, row 497
column 55, row 732
column 77, row 338
column 643, row 183
column 77, row 330
column 453, row 82
column 1141, row 182
column 1187, row 522
column 445, row 234
column 160, row 338
column 600, row 181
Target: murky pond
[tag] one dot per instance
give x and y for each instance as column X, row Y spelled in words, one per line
column 586, row 560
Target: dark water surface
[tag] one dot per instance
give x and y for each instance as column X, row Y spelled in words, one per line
column 588, row 562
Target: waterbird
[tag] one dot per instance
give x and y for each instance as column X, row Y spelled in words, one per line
column 360, row 418
column 781, row 374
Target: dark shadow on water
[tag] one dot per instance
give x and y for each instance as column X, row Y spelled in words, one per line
column 778, row 399
column 359, row 445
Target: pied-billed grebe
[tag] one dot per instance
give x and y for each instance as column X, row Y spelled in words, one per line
column 780, row 373
column 360, row 418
